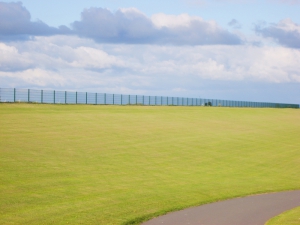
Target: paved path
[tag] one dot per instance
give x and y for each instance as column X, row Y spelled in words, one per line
column 251, row 210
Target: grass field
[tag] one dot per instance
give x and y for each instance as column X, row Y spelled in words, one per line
column 291, row 217
column 85, row 164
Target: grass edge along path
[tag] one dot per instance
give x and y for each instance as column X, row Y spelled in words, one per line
column 90, row 164
column 290, row 217
column 287, row 219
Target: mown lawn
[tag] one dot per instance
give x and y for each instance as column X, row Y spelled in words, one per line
column 86, row 164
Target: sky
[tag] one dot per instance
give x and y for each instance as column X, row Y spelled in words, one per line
column 245, row 50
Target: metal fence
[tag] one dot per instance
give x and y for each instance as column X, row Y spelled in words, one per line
column 68, row 97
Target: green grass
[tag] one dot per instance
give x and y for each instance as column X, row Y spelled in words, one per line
column 290, row 217
column 85, row 164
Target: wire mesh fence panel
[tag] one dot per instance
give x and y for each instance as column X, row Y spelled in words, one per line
column 189, row 103
column 21, row 95
column 200, row 102
column 71, row 97
column 168, row 101
column 175, row 101
column 179, row 101
column 124, row 99
column 59, row 97
column 157, row 100
column 147, row 100
column 109, row 99
column 7, row 95
column 64, row 97
column 90, row 98
column 101, row 98
column 193, row 101
column 163, row 100
column 48, row 96
column 132, row 100
column 116, row 99
column 140, row 100
column 34, row 96
column 152, row 100
column 184, row 101
column 81, row 98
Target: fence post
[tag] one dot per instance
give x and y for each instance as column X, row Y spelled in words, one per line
column 96, row 98
column 104, row 98
column 42, row 96
column 143, row 100
column 14, row 95
column 113, row 99
column 136, row 99
column 54, row 96
column 65, row 97
column 86, row 98
column 129, row 99
column 28, row 95
column 121, row 99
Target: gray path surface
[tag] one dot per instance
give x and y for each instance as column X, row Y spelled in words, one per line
column 251, row 210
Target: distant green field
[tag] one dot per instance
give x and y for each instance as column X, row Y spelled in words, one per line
column 291, row 217
column 86, row 164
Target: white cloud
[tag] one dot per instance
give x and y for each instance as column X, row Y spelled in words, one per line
column 86, row 57
column 49, row 62
column 285, row 32
column 53, row 56
column 33, row 77
column 12, row 60
column 172, row 21
column 146, row 63
column 133, row 27
column 16, row 23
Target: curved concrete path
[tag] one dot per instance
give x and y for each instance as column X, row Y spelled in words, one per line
column 251, row 210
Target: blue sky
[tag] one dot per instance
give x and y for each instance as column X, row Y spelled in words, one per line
column 224, row 49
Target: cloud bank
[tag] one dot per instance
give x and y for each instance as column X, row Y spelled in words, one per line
column 149, row 65
column 123, row 26
column 286, row 32
column 132, row 26
column 15, row 23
